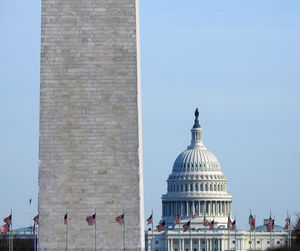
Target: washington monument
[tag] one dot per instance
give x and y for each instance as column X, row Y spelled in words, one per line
column 90, row 147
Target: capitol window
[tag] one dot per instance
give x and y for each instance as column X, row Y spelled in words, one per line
column 191, row 187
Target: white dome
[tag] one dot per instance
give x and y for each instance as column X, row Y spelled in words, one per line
column 196, row 159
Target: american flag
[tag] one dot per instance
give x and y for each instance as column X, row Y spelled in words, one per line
column 149, row 220
column 120, row 219
column 5, row 228
column 66, row 219
column 186, row 226
column 270, row 224
column 91, row 220
column 36, row 219
column 161, row 226
column 251, row 222
column 7, row 220
column 205, row 222
column 288, row 223
column 229, row 222
column 298, row 224
column 233, row 226
column 212, row 225
column 176, row 219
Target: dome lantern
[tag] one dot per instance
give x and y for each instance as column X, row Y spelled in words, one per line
column 196, row 133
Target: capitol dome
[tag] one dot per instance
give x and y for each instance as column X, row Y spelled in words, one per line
column 196, row 159
column 197, row 185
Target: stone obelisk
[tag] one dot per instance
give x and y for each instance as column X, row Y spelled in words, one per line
column 90, row 149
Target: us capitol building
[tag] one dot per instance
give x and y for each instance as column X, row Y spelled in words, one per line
column 197, row 188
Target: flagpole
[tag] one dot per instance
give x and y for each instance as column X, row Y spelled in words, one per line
column 191, row 244
column 204, row 229
column 152, row 248
column 67, row 231
column 228, row 245
column 95, row 230
column 235, row 234
column 124, row 232
column 38, row 234
column 205, row 237
column 34, row 240
column 250, row 231
column 9, row 235
column 255, row 233
column 288, row 243
column 290, row 233
column 213, row 240
column 12, row 233
column 270, row 231
column 179, row 237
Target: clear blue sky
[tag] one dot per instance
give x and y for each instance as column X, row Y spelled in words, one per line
column 237, row 61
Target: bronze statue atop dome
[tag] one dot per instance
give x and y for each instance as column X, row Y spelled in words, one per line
column 196, row 113
column 196, row 124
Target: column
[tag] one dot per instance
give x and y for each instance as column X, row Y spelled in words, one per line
column 193, row 208
column 199, row 207
column 187, row 208
column 172, row 208
column 171, row 244
column 181, row 208
column 222, row 208
column 182, row 244
column 228, row 206
column 199, row 244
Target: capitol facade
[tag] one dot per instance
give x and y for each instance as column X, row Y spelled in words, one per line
column 197, row 190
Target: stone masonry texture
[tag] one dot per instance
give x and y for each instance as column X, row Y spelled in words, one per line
column 90, row 150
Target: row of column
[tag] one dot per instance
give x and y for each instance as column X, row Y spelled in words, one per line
column 190, row 187
column 190, row 208
column 189, row 244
